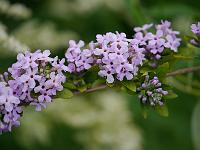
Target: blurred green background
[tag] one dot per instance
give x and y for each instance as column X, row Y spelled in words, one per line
column 107, row 120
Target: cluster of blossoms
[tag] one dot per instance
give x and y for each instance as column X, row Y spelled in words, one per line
column 151, row 92
column 113, row 53
column 36, row 77
column 78, row 59
column 155, row 44
column 10, row 111
column 33, row 80
column 195, row 28
column 117, row 56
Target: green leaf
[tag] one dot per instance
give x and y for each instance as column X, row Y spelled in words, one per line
column 91, row 75
column 162, row 70
column 110, row 84
column 125, row 89
column 162, row 110
column 196, row 126
column 188, row 38
column 171, row 95
column 145, row 70
column 65, row 94
column 182, row 57
column 69, row 85
column 130, row 85
column 82, row 88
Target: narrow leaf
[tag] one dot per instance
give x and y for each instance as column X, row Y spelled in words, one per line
column 65, row 94
column 130, row 85
column 171, row 95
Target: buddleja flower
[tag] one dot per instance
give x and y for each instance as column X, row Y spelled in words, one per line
column 36, row 77
column 117, row 57
column 10, row 111
column 155, row 44
column 151, row 92
column 78, row 58
column 196, row 28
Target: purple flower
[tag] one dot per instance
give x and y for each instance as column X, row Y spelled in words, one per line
column 38, row 106
column 108, row 74
column 29, row 79
column 9, row 109
column 117, row 56
column 26, row 60
column 7, row 99
column 196, row 28
column 172, row 43
column 194, row 42
column 164, row 26
column 143, row 28
column 38, row 82
column 155, row 44
column 55, row 81
column 79, row 59
column 74, row 51
column 44, row 56
column 59, row 65
column 151, row 92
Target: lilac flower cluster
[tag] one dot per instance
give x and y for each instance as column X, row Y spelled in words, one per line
column 113, row 53
column 196, row 28
column 10, row 111
column 33, row 80
column 155, row 44
column 78, row 59
column 151, row 92
column 36, row 77
column 117, row 57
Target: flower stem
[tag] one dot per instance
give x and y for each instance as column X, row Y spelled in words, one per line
column 170, row 74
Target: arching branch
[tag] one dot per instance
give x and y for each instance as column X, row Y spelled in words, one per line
column 170, row 74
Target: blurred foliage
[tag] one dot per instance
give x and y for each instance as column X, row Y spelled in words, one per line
column 103, row 121
column 196, row 126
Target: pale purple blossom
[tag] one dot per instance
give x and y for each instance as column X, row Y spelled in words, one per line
column 194, row 42
column 31, row 72
column 78, row 58
column 144, row 28
column 9, row 108
column 196, row 28
column 7, row 99
column 155, row 44
column 117, row 57
column 172, row 41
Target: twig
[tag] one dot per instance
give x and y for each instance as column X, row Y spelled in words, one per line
column 170, row 74
column 183, row 71
column 103, row 86
column 100, row 87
